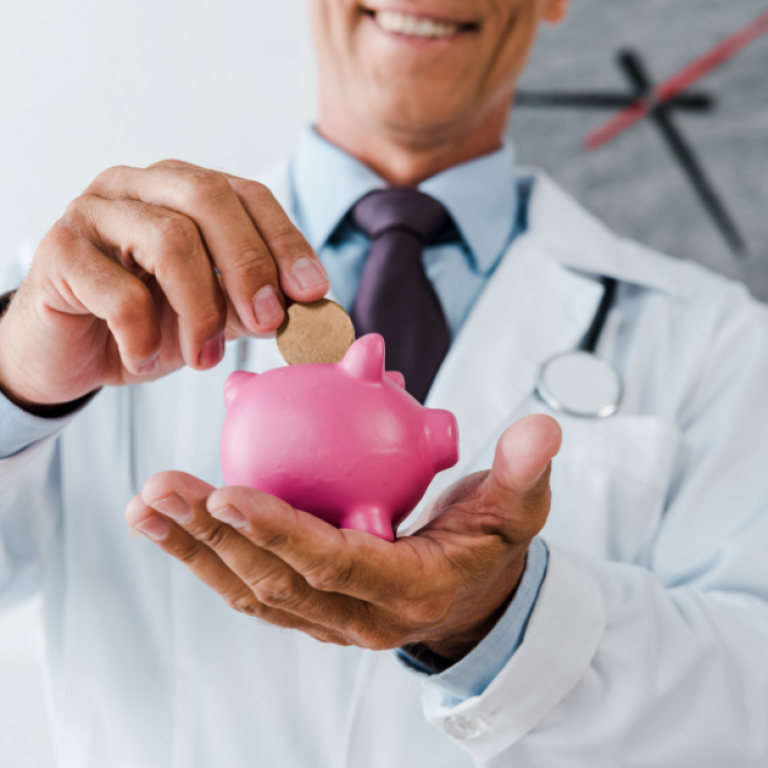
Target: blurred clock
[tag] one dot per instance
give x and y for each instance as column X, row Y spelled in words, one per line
column 655, row 116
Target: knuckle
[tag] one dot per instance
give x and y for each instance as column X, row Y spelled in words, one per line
column 169, row 163
column 252, row 263
column 334, row 577
column 79, row 210
column 208, row 322
column 206, row 186
column 214, row 536
column 106, row 177
column 431, row 612
column 190, row 555
column 64, row 233
column 278, row 590
column 177, row 234
column 382, row 640
column 289, row 242
column 253, row 191
column 249, row 605
column 274, row 540
column 330, row 638
column 133, row 304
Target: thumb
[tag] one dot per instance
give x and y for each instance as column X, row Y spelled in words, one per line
column 520, row 467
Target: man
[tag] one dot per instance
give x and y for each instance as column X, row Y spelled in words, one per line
column 632, row 633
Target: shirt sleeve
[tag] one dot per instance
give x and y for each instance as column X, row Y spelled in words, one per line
column 20, row 430
column 472, row 675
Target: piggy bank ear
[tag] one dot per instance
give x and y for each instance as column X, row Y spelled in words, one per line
column 365, row 358
column 233, row 385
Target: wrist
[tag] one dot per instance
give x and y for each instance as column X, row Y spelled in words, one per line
column 464, row 637
column 7, row 383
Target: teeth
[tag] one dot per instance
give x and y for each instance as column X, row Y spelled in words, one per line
column 414, row 26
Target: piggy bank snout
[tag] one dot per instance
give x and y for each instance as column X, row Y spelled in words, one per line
column 443, row 432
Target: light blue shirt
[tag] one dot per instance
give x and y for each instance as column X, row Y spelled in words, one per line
column 481, row 197
column 488, row 210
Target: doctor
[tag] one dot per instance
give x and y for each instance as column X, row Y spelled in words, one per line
column 632, row 631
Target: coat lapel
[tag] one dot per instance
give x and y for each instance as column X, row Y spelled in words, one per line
column 531, row 309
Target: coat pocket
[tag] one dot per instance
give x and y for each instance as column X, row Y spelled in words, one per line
column 609, row 485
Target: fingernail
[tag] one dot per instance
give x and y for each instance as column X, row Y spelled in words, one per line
column 267, row 306
column 155, row 527
column 212, row 351
column 149, row 366
column 309, row 273
column 173, row 506
column 231, row 516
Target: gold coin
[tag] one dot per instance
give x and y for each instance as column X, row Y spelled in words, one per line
column 319, row 332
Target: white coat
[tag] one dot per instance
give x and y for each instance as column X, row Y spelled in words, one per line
column 648, row 645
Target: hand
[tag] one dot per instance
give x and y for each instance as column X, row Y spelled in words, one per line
column 124, row 287
column 444, row 587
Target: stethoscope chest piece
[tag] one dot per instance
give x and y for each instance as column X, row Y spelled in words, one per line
column 580, row 383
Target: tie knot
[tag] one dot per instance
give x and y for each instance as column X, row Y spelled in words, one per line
column 401, row 208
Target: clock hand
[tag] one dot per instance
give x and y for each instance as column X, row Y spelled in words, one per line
column 690, row 102
column 679, row 82
column 661, row 115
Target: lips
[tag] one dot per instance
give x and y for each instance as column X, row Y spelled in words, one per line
column 411, row 25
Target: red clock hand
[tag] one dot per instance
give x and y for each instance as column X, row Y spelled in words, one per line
column 678, row 83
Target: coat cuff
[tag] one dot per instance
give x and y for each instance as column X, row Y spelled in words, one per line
column 563, row 633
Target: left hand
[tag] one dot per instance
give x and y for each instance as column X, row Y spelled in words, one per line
column 444, row 587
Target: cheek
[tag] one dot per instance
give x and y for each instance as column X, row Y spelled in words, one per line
column 334, row 25
column 514, row 35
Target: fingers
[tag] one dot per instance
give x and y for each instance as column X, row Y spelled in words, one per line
column 251, row 269
column 524, row 452
column 347, row 562
column 88, row 282
column 168, row 245
column 302, row 276
column 196, row 538
column 518, row 483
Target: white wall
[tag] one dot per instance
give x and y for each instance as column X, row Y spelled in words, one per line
column 85, row 85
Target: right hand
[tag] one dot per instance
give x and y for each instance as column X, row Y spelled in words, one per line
column 124, row 287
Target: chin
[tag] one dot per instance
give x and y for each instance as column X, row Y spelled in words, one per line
column 423, row 113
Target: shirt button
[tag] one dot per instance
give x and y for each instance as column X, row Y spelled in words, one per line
column 462, row 727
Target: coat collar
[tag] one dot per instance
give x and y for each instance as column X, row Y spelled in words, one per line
column 577, row 240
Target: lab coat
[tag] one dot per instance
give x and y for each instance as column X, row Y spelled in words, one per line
column 648, row 645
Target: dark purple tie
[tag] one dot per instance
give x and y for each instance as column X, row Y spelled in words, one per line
column 394, row 297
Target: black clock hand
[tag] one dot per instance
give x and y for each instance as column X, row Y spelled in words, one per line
column 632, row 65
column 690, row 102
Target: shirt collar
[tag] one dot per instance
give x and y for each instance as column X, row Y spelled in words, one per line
column 480, row 195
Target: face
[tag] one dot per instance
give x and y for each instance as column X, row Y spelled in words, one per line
column 419, row 69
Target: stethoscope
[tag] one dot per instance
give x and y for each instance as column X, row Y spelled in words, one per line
column 579, row 382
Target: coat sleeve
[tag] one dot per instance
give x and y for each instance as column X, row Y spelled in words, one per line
column 30, row 490
column 663, row 666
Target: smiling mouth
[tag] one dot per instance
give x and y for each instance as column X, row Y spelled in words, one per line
column 411, row 25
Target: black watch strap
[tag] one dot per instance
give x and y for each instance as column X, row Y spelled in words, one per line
column 5, row 300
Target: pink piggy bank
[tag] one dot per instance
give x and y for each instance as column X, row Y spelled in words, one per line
column 343, row 441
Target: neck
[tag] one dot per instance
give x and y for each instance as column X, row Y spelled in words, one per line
column 405, row 159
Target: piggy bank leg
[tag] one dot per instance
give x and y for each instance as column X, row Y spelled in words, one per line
column 373, row 520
